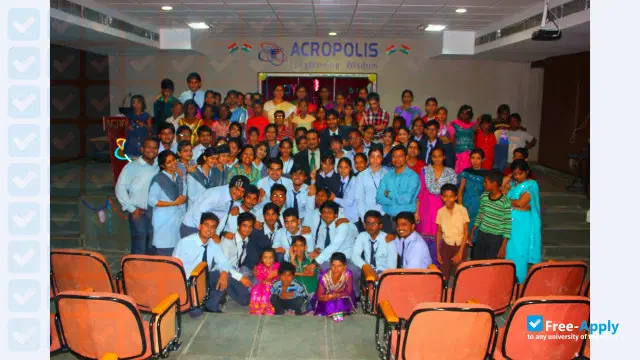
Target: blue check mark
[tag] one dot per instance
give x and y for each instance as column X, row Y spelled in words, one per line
column 534, row 323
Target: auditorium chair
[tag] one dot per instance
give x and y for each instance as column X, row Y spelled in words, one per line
column 555, row 278
column 73, row 269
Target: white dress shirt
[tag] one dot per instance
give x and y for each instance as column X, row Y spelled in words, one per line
column 266, row 183
column 231, row 225
column 216, row 200
column 132, row 187
column 238, row 254
column 367, row 184
column 385, row 254
column 190, row 250
column 283, row 239
column 198, row 150
column 348, row 199
column 303, row 199
column 342, row 239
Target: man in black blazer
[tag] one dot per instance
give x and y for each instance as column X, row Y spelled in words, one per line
column 328, row 178
column 332, row 129
column 433, row 141
column 311, row 156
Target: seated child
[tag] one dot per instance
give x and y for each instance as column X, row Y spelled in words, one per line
column 453, row 230
column 287, row 293
column 265, row 272
column 493, row 221
column 299, row 259
column 335, row 296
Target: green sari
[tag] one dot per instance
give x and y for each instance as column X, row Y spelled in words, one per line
column 310, row 283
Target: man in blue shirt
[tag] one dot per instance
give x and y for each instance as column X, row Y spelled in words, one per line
column 238, row 113
column 220, row 200
column 398, row 189
column 194, row 82
column 198, row 247
column 132, row 191
column 411, row 247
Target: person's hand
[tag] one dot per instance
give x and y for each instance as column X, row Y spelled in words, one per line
column 136, row 213
column 386, row 193
column 234, row 211
column 179, row 171
column 292, row 256
column 470, row 241
column 215, row 238
column 228, row 235
column 192, row 168
column 305, row 230
column 181, row 199
column 261, row 196
column 287, row 295
column 389, row 238
column 311, row 190
column 332, row 197
column 313, row 174
column 310, row 267
column 222, row 281
column 439, row 259
column 246, row 282
column 280, row 250
column 308, row 272
column 444, row 139
column 258, row 225
column 503, row 250
column 457, row 259
column 341, row 221
column 273, row 274
column 313, row 255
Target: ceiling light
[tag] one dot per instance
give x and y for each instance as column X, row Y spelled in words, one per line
column 333, row 33
column 435, row 27
column 198, row 26
column 167, row 8
column 461, row 11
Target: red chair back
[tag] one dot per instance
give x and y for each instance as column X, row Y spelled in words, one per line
column 449, row 331
column 80, row 269
column 555, row 278
column 488, row 282
column 405, row 288
column 516, row 343
column 150, row 279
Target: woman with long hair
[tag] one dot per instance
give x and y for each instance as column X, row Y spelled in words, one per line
column 244, row 166
column 407, row 110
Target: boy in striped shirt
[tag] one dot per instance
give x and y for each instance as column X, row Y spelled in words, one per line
column 493, row 221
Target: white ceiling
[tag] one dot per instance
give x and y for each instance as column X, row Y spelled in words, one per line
column 355, row 18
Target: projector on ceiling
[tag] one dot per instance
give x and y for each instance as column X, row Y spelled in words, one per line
column 546, row 35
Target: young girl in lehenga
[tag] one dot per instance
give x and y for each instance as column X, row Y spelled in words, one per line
column 266, row 272
column 335, row 296
column 525, row 245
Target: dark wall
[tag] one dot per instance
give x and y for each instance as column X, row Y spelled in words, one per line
column 565, row 104
column 79, row 100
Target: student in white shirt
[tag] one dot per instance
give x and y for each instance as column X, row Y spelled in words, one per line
column 298, row 196
column 371, row 248
column 278, row 196
column 347, row 196
column 338, row 151
column 204, row 137
column 313, row 220
column 275, row 177
column 238, row 284
column 230, row 221
column 167, row 137
column 283, row 237
column 199, row 247
column 367, row 183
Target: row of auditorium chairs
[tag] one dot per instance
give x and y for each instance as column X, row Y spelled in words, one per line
column 98, row 315
column 422, row 319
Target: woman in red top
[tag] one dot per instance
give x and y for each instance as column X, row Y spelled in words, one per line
column 320, row 123
column 413, row 153
column 486, row 140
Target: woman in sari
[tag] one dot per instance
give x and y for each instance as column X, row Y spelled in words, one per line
column 432, row 178
column 525, row 245
column 335, row 296
column 167, row 197
column 245, row 166
column 406, row 110
column 471, row 182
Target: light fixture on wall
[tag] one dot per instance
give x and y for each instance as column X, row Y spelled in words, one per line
column 167, row 8
column 432, row 27
column 461, row 11
column 198, row 26
column 333, row 33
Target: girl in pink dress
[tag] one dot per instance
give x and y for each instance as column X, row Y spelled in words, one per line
column 265, row 272
column 462, row 131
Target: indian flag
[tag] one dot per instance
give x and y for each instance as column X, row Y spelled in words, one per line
column 390, row 50
column 233, row 47
column 246, row 47
column 405, row 49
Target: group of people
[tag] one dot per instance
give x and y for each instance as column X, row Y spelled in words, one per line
column 286, row 202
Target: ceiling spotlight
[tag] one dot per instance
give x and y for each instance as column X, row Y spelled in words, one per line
column 198, row 26
column 461, row 11
column 333, row 33
column 435, row 27
column 167, row 8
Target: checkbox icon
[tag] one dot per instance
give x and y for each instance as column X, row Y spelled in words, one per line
column 24, row 140
column 24, row 335
column 24, row 257
column 24, row 102
column 24, row 179
column 24, row 295
column 535, row 323
column 23, row 24
column 24, row 218
column 24, row 63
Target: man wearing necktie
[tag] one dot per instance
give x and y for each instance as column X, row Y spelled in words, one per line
column 331, row 238
column 373, row 247
column 432, row 142
column 333, row 129
column 194, row 82
column 413, row 252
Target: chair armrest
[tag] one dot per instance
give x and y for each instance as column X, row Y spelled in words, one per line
column 165, row 323
column 109, row 356
column 388, row 312
column 432, row 267
column 473, row 301
column 368, row 273
column 198, row 269
column 165, row 304
column 89, row 289
column 120, row 283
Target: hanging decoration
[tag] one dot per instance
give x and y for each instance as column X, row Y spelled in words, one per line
column 373, row 77
column 106, row 216
column 262, row 76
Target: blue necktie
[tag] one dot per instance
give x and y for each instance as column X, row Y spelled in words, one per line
column 204, row 254
column 342, row 189
column 228, row 214
column 295, row 201
column 401, row 261
column 327, row 240
column 244, row 247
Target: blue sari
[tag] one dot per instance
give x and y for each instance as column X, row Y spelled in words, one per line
column 525, row 245
column 473, row 189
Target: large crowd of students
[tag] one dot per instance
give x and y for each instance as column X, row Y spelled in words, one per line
column 287, row 201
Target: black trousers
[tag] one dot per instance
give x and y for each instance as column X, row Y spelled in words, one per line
column 486, row 246
column 235, row 289
column 280, row 305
